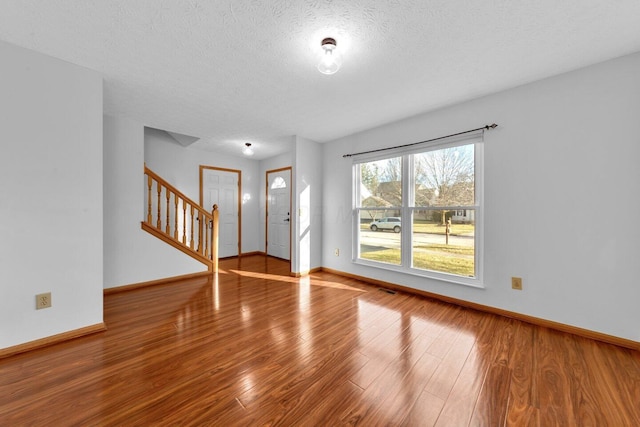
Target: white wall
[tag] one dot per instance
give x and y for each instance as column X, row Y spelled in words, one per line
column 305, row 158
column 307, row 199
column 131, row 255
column 562, row 190
column 50, row 195
column 181, row 167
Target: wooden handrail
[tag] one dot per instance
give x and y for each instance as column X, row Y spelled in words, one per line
column 186, row 226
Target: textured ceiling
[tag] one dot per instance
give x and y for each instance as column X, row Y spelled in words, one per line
column 233, row 71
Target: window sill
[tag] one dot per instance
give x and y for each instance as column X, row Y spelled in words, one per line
column 472, row 282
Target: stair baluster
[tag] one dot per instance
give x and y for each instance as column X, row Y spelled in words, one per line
column 200, row 244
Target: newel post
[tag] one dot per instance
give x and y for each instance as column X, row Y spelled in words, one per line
column 214, row 238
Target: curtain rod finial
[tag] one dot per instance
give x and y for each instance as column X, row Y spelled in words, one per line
column 492, row 126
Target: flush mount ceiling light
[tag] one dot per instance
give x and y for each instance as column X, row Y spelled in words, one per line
column 330, row 62
column 247, row 150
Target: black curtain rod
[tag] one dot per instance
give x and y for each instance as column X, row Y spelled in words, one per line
column 487, row 127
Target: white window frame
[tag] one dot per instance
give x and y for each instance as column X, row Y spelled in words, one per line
column 408, row 207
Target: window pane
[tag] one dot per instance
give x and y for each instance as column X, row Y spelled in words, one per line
column 381, row 183
column 279, row 182
column 445, row 246
column 379, row 235
column 445, row 177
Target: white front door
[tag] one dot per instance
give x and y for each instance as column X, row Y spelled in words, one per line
column 221, row 187
column 279, row 213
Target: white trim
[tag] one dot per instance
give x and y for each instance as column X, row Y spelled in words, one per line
column 429, row 274
column 408, row 207
column 479, row 211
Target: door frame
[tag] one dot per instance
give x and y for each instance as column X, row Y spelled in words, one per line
column 239, row 173
column 266, row 200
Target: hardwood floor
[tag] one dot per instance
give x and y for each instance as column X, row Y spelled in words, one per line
column 258, row 347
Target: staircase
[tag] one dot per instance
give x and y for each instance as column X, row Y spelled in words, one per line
column 181, row 222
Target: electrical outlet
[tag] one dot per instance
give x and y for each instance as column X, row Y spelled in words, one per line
column 516, row 283
column 336, row 252
column 43, row 300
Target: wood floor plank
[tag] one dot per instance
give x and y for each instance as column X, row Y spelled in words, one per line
column 463, row 390
column 425, row 411
column 308, row 391
column 404, row 338
column 492, row 336
column 255, row 346
column 396, row 386
column 491, row 406
column 522, row 409
column 623, row 383
column 553, row 379
column 447, row 373
column 401, row 395
column 587, row 369
column 326, row 412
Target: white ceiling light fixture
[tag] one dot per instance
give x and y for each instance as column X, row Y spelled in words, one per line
column 247, row 150
column 330, row 62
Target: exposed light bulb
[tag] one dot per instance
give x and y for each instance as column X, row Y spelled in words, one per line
column 247, row 150
column 330, row 62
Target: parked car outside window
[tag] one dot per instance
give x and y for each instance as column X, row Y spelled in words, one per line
column 387, row 223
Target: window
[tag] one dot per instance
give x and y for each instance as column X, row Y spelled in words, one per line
column 279, row 182
column 419, row 210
